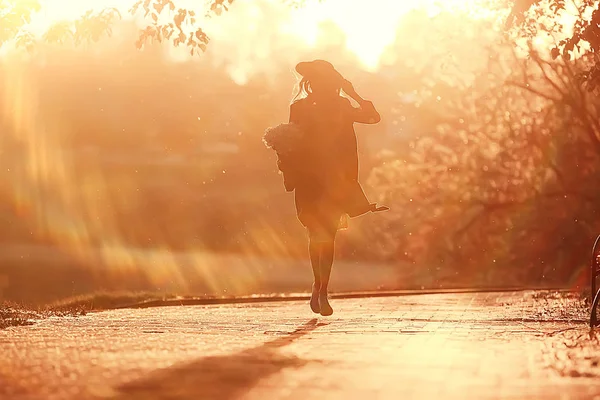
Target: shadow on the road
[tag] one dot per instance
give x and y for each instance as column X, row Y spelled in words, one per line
column 220, row 377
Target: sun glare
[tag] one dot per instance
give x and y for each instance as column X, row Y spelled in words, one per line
column 369, row 27
column 56, row 11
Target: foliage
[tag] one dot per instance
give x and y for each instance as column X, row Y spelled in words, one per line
column 166, row 22
column 502, row 184
column 90, row 27
column 580, row 40
column 175, row 29
column 14, row 15
column 13, row 315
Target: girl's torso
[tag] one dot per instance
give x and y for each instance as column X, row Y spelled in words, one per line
column 330, row 141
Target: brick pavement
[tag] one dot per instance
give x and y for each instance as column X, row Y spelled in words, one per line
column 457, row 346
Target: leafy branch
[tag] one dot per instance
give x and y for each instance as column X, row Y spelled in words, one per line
column 166, row 23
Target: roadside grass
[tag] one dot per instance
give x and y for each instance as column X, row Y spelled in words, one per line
column 13, row 314
column 572, row 352
column 563, row 306
column 104, row 300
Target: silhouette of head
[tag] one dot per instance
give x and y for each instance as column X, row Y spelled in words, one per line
column 320, row 78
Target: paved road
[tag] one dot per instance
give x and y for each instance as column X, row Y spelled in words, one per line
column 457, row 346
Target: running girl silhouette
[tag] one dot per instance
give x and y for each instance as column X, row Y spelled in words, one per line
column 318, row 157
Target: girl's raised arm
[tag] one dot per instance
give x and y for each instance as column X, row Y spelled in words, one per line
column 366, row 112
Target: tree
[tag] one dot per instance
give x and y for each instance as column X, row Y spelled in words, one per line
column 500, row 187
column 582, row 39
column 166, row 23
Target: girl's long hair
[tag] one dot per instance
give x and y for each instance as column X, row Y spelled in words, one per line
column 303, row 89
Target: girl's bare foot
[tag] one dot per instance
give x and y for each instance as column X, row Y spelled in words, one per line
column 324, row 305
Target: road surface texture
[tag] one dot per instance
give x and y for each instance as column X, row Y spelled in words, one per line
column 451, row 346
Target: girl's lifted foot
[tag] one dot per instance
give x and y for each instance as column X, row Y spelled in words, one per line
column 314, row 300
column 326, row 309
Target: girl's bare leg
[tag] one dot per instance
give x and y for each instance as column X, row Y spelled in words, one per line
column 326, row 262
column 314, row 250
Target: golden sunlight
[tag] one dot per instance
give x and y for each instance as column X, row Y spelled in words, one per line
column 76, row 210
column 422, row 167
column 369, row 27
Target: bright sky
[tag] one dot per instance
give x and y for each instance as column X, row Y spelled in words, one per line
column 369, row 25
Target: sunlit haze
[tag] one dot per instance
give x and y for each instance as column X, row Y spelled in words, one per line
column 152, row 160
column 276, row 199
column 253, row 37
